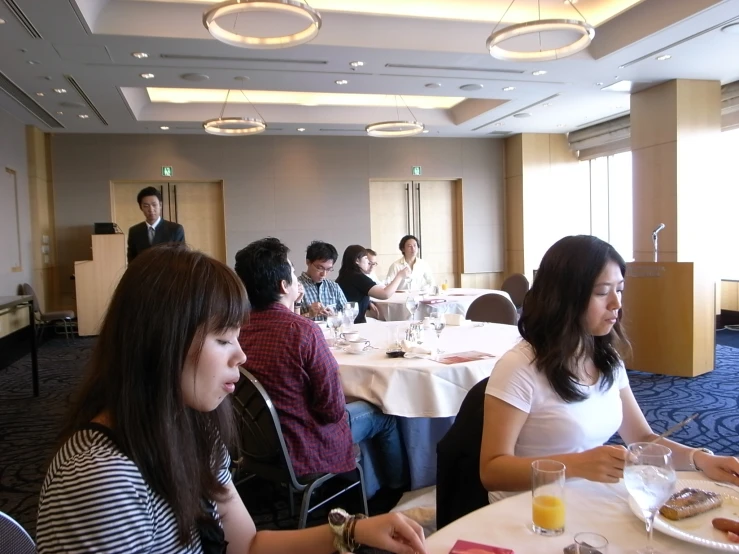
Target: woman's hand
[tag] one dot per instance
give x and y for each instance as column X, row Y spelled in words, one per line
column 604, row 464
column 718, row 468
column 393, row 532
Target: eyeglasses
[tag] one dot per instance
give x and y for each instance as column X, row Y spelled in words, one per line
column 373, row 264
column 322, row 269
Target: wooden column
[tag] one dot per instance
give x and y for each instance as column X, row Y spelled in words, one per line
column 675, row 128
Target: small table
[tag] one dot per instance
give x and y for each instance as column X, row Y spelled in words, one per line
column 454, row 301
column 595, row 507
column 10, row 302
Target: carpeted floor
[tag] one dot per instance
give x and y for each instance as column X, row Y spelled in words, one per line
column 28, row 426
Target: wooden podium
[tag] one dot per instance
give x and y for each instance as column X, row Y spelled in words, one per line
column 96, row 279
column 669, row 317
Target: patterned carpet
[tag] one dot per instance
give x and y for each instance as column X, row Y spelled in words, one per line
column 28, row 426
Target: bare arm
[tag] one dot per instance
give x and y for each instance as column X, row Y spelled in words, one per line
column 391, row 532
column 502, row 470
column 384, row 292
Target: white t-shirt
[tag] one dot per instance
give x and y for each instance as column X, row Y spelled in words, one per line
column 421, row 274
column 554, row 426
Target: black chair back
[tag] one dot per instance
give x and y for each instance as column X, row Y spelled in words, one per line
column 28, row 291
column 459, row 490
column 516, row 285
column 492, row 308
column 13, row 538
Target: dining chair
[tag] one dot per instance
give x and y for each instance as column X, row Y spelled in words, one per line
column 516, row 285
column 13, row 538
column 63, row 316
column 263, row 452
column 459, row 490
column 492, row 308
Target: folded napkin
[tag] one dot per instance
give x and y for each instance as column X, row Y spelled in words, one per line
column 415, row 348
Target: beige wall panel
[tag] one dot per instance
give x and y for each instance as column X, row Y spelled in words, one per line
column 482, row 280
column 514, row 262
column 654, row 116
column 514, row 213
column 514, row 156
column 730, row 295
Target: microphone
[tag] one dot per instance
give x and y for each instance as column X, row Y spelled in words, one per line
column 658, row 229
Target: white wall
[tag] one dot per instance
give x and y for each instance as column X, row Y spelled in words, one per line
column 295, row 188
column 13, row 156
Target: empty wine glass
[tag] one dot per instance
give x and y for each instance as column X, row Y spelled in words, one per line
column 650, row 478
column 353, row 308
column 411, row 302
column 438, row 323
column 334, row 322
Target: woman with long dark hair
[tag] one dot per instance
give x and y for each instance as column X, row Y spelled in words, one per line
column 357, row 286
column 144, row 465
column 562, row 392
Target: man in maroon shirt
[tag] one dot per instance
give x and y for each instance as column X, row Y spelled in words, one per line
column 289, row 356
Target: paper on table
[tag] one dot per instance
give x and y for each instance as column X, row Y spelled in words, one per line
column 467, row 547
column 459, row 357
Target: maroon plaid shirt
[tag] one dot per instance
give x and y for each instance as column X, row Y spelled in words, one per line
column 289, row 356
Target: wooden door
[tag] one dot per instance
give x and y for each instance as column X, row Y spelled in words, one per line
column 198, row 207
column 390, row 220
column 436, row 227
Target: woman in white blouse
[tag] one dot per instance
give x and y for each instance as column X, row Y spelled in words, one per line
column 421, row 274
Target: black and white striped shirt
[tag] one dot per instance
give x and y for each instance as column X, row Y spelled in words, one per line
column 94, row 499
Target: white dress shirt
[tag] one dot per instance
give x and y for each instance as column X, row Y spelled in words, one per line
column 421, row 274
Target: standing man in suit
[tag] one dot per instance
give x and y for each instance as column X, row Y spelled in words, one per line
column 154, row 230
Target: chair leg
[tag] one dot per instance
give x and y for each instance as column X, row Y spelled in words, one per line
column 361, row 489
column 291, row 499
column 305, row 505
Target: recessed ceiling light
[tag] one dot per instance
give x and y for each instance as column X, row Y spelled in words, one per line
column 621, row 66
column 598, row 84
column 733, row 28
column 546, row 104
column 663, row 57
column 471, row 86
column 355, row 65
column 33, row 62
column 425, row 131
column 140, row 55
column 164, row 128
column 300, row 129
column 539, row 72
column 508, row 89
column 59, row 113
column 241, row 78
column 432, row 85
column 83, row 116
column 60, row 90
column 522, row 114
column 39, row 94
column 498, row 124
column 147, row 75
column 341, row 82
column 2, row 21
column 196, row 77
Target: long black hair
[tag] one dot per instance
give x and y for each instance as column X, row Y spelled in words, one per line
column 352, row 255
column 168, row 300
column 553, row 312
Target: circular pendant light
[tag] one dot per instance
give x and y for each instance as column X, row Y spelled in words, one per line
column 394, row 129
column 587, row 32
column 235, row 7
column 234, row 126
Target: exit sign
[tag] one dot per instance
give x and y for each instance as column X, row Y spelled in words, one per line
column 416, row 170
column 168, row 171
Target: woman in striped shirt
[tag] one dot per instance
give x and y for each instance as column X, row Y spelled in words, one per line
column 143, row 465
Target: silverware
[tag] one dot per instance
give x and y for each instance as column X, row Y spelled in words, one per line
column 675, row 427
column 727, row 485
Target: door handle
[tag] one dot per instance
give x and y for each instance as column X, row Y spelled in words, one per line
column 409, row 207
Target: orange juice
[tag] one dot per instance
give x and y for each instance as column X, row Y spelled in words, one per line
column 444, row 286
column 548, row 512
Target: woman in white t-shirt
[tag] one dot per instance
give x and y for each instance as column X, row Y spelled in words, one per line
column 144, row 465
column 562, row 392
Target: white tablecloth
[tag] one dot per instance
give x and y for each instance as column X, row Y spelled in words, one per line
column 421, row 387
column 594, row 507
column 456, row 302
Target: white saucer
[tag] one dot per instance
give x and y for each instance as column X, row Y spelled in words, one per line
column 352, row 352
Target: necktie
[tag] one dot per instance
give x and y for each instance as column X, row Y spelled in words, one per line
column 151, row 234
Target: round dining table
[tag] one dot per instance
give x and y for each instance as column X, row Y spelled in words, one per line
column 590, row 507
column 452, row 301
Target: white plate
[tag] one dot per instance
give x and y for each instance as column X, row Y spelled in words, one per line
column 698, row 529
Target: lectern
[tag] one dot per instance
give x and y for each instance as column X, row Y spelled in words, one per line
column 96, row 279
column 670, row 318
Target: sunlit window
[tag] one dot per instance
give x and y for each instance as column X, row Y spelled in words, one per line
column 727, row 206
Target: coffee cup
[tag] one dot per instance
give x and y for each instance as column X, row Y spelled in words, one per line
column 357, row 346
column 350, row 336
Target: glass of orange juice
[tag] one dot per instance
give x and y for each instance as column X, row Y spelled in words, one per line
column 548, row 501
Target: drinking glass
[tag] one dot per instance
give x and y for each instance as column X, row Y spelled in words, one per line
column 650, row 479
column 353, row 307
column 438, row 323
column 411, row 302
column 334, row 321
column 590, row 543
column 548, row 501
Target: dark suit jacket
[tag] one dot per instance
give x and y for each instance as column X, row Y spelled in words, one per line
column 138, row 236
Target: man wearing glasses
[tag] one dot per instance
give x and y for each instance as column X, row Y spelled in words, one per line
column 322, row 296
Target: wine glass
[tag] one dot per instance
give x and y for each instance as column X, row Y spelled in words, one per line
column 650, row 479
column 334, row 321
column 353, row 309
column 411, row 302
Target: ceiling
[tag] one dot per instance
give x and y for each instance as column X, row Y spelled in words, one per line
column 409, row 49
